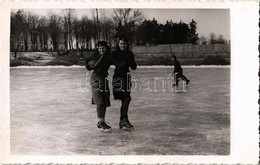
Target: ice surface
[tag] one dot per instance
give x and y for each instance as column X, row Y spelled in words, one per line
column 51, row 113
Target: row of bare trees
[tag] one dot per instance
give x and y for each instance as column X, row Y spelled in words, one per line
column 213, row 39
column 67, row 28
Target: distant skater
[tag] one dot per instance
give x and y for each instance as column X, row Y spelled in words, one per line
column 178, row 71
column 123, row 60
column 100, row 63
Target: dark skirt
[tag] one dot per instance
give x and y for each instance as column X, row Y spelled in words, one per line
column 121, row 86
column 100, row 90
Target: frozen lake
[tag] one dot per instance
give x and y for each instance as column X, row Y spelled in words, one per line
column 51, row 113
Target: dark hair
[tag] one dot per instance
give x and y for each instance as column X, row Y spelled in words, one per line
column 174, row 57
column 103, row 43
column 122, row 38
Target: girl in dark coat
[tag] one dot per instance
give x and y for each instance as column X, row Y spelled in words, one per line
column 178, row 71
column 100, row 63
column 123, row 60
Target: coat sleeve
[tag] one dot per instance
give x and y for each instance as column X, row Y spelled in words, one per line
column 113, row 59
column 131, row 61
column 96, row 59
column 116, row 62
column 87, row 60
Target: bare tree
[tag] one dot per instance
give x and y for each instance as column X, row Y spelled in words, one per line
column 33, row 21
column 126, row 20
column 203, row 40
column 107, row 31
column 68, row 16
column 107, row 26
column 87, row 31
column 221, row 40
column 217, row 40
column 19, row 26
column 96, row 23
column 42, row 29
column 212, row 38
column 54, row 27
column 77, row 32
column 128, row 16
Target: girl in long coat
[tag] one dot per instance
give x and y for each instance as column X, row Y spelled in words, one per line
column 100, row 63
column 123, row 60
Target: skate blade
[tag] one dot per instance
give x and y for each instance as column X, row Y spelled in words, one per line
column 126, row 129
column 105, row 130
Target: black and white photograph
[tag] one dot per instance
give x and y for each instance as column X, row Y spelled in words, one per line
column 118, row 82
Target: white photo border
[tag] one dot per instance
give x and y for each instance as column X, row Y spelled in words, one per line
column 244, row 90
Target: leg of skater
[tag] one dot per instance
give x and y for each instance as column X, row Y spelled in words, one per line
column 186, row 79
column 177, row 79
column 101, row 112
column 124, row 122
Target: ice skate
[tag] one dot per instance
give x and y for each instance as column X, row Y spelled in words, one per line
column 125, row 124
column 103, row 126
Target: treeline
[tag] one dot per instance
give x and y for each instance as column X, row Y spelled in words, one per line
column 152, row 33
column 61, row 28
column 76, row 33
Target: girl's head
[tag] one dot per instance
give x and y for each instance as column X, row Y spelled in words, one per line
column 174, row 57
column 123, row 43
column 102, row 47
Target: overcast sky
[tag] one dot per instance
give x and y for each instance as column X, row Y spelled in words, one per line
column 208, row 20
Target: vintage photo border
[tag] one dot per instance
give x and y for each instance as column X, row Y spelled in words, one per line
column 244, row 83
